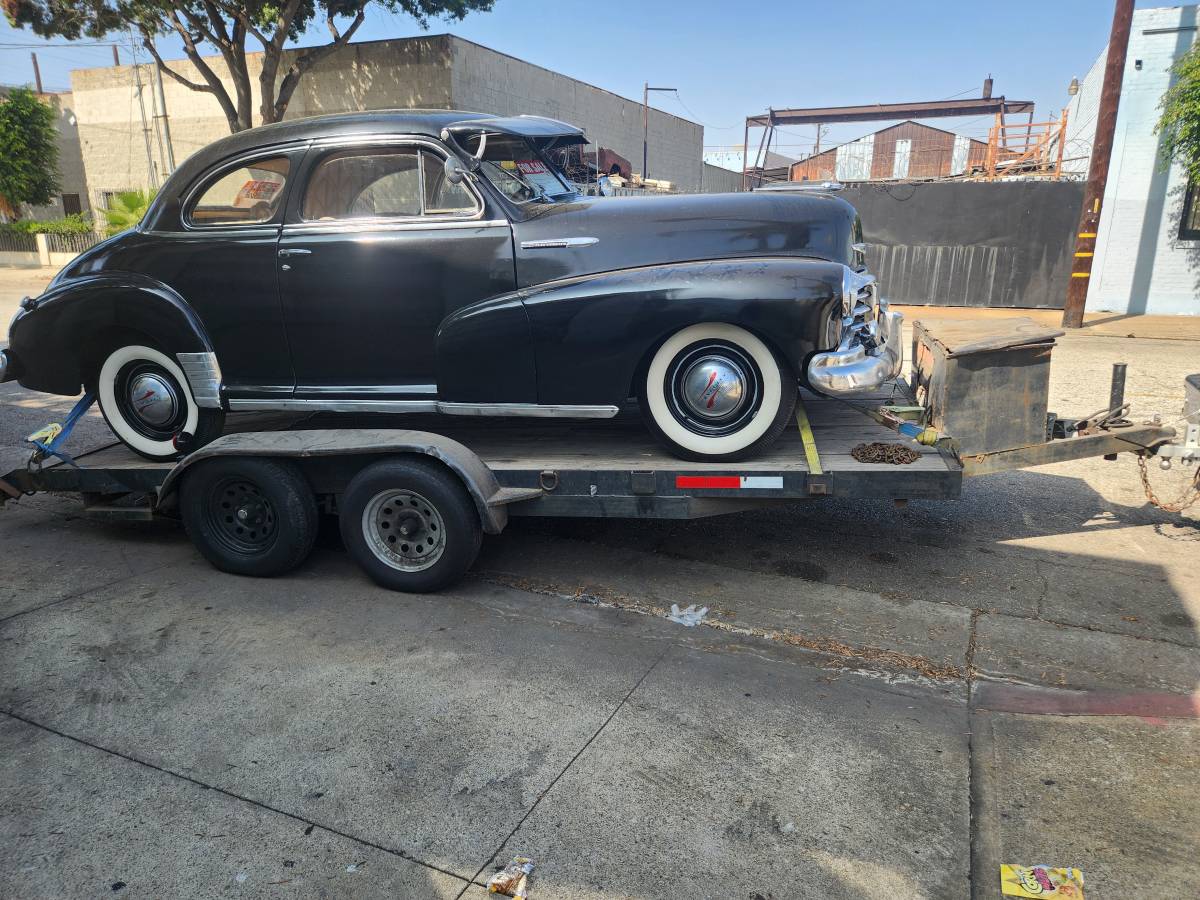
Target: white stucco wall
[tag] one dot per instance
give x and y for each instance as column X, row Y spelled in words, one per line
column 1141, row 265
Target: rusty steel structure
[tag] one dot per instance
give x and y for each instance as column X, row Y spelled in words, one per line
column 1026, row 148
column 871, row 112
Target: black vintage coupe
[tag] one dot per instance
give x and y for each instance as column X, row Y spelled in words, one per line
column 439, row 261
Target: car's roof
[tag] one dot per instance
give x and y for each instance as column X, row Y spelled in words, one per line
column 377, row 121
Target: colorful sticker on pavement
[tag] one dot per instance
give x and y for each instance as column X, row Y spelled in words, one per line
column 1041, row 881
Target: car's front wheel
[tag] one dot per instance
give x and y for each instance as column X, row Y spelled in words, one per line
column 147, row 403
column 715, row 392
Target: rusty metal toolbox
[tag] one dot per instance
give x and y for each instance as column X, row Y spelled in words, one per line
column 985, row 383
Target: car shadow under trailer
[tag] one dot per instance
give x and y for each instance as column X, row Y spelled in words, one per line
column 561, row 468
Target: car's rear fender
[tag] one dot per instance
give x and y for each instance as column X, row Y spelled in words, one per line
column 68, row 328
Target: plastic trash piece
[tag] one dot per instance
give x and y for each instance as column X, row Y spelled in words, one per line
column 513, row 879
column 1041, row 882
column 689, row 617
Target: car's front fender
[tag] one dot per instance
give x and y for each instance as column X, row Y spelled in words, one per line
column 591, row 334
column 62, row 332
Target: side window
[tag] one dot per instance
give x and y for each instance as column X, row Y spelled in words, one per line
column 383, row 183
column 442, row 198
column 364, row 184
column 247, row 195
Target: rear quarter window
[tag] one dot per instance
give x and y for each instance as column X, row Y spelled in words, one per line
column 249, row 194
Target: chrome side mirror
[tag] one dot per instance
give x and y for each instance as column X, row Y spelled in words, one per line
column 455, row 174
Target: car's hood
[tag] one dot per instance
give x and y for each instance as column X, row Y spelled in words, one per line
column 603, row 234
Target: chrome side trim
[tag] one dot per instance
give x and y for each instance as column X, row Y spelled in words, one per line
column 559, row 243
column 203, row 374
column 295, row 405
column 528, row 409
column 416, row 223
column 427, row 406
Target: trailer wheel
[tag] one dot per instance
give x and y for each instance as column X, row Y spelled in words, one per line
column 249, row 516
column 410, row 525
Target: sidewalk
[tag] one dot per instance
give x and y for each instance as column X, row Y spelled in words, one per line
column 1096, row 324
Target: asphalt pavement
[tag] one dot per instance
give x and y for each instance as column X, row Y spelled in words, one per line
column 884, row 702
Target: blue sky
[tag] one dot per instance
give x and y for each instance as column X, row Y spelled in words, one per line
column 730, row 60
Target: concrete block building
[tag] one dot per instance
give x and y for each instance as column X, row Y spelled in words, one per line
column 1148, row 246
column 437, row 71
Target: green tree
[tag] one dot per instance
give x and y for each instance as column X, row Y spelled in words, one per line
column 29, row 149
column 125, row 209
column 1179, row 123
column 226, row 26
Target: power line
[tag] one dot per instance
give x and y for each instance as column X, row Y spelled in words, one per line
column 10, row 46
column 696, row 118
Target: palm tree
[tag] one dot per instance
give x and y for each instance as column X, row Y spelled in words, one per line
column 125, row 209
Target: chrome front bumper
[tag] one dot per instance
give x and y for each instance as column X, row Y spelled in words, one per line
column 868, row 355
column 6, row 367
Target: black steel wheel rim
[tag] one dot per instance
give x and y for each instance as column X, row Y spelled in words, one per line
column 694, row 397
column 150, row 400
column 240, row 517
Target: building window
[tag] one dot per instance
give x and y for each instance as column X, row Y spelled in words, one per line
column 71, row 205
column 1189, row 221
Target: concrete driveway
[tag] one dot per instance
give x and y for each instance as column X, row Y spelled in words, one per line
column 885, row 703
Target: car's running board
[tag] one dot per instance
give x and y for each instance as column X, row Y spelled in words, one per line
column 534, row 410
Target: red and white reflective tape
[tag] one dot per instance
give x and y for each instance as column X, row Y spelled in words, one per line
column 731, row 482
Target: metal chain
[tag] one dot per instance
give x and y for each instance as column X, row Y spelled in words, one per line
column 896, row 454
column 1189, row 496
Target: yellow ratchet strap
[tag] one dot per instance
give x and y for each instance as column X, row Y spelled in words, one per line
column 809, row 441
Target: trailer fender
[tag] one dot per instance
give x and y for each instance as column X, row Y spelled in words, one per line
column 489, row 498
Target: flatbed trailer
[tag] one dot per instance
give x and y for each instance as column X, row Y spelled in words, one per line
column 547, row 467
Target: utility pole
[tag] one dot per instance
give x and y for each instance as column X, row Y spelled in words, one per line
column 37, row 73
column 116, row 56
column 162, row 116
column 1093, row 195
column 646, row 89
column 137, row 77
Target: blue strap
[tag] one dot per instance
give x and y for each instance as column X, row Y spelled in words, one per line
column 51, row 449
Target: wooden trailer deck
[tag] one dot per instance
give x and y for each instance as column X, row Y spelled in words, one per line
column 603, row 467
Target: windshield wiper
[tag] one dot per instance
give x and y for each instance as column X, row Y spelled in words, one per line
column 536, row 190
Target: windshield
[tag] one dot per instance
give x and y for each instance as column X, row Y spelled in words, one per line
column 518, row 170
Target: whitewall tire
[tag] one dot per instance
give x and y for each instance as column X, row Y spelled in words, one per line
column 146, row 401
column 716, row 392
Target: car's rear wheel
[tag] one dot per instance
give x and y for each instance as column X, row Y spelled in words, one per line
column 146, row 401
column 716, row 392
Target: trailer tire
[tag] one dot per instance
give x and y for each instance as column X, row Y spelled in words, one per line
column 249, row 516
column 410, row 524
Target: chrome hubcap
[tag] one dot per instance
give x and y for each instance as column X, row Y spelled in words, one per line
column 153, row 399
column 404, row 530
column 714, row 387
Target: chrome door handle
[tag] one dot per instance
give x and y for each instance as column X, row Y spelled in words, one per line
column 559, row 243
column 294, row 251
